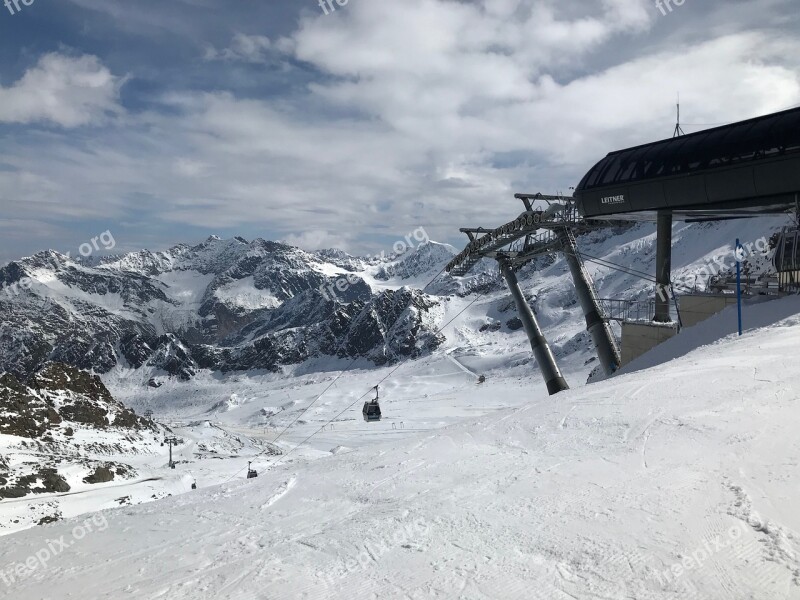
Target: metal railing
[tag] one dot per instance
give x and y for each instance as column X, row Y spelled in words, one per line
column 627, row 310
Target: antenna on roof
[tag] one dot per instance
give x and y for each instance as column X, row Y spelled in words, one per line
column 678, row 129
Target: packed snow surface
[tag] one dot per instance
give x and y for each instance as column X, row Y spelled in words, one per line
column 677, row 481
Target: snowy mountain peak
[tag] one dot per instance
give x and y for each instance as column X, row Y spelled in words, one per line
column 424, row 260
column 219, row 305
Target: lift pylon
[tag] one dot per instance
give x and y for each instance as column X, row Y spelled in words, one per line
column 537, row 232
column 607, row 349
column 553, row 378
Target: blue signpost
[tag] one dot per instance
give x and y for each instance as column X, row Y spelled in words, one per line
column 739, row 254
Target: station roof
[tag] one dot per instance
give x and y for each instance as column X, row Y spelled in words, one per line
column 761, row 137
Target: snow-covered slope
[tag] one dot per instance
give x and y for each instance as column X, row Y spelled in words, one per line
column 680, row 481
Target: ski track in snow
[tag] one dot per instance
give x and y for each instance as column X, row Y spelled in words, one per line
column 282, row 490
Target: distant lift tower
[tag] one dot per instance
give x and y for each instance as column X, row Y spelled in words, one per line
column 537, row 232
column 172, row 441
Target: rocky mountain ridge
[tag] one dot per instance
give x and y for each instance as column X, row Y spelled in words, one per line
column 222, row 305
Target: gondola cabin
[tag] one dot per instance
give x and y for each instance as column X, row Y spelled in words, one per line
column 372, row 409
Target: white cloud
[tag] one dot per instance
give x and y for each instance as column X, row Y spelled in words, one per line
column 64, row 90
column 186, row 167
column 317, row 240
column 425, row 113
column 247, row 161
column 243, row 48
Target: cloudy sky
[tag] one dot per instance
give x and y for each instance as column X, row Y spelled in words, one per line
column 166, row 121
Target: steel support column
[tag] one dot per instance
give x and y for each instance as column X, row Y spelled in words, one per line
column 604, row 342
column 663, row 267
column 541, row 350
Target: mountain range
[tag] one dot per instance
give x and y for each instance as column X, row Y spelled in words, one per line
column 238, row 305
column 222, row 305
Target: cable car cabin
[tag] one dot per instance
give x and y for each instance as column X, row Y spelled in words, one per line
column 372, row 408
column 251, row 473
column 371, row 411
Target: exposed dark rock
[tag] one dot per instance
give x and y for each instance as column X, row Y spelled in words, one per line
column 128, row 419
column 46, row 411
column 47, row 519
column 174, row 357
column 58, row 377
column 101, row 474
column 4, row 471
column 86, row 413
column 51, row 483
column 22, row 412
column 136, row 349
column 514, row 324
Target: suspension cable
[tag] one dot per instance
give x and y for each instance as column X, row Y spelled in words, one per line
column 342, row 372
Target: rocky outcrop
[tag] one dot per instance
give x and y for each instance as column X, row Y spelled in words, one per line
column 43, row 415
column 57, row 398
column 101, row 474
column 43, row 481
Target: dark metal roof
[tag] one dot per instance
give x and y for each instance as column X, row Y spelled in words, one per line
column 754, row 164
